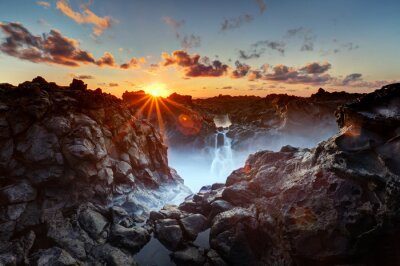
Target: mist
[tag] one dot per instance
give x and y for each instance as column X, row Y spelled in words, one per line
column 199, row 167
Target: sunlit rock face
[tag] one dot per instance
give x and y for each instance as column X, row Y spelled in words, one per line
column 77, row 172
column 334, row 204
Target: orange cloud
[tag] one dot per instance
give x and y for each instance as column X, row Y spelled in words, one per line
column 86, row 17
column 192, row 66
column 133, row 63
column 106, row 60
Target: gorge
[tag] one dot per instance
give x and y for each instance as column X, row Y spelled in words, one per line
column 89, row 179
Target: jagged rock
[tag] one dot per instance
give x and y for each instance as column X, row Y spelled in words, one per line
column 112, row 256
column 59, row 149
column 334, row 204
column 169, row 233
column 132, row 239
column 94, row 223
column 55, row 256
column 219, row 206
column 194, row 224
column 189, row 256
column 18, row 193
column 77, row 84
column 215, row 259
column 8, row 259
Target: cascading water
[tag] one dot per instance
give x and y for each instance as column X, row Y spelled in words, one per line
column 222, row 164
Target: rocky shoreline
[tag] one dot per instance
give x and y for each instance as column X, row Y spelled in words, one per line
column 83, row 182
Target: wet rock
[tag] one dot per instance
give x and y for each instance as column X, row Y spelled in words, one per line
column 219, row 206
column 15, row 211
column 112, row 256
column 55, row 256
column 93, row 222
column 62, row 233
column 132, row 239
column 8, row 259
column 120, row 216
column 238, row 193
column 169, row 233
column 215, row 259
column 18, row 193
column 194, row 224
column 189, row 256
column 7, row 230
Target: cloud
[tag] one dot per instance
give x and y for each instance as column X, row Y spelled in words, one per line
column 236, row 22
column 259, row 48
column 51, row 48
column 133, row 63
column 186, row 41
column 250, row 54
column 43, row 22
column 173, row 23
column 312, row 73
column 307, row 36
column 350, row 46
column 292, row 75
column 190, row 41
column 192, row 66
column 241, row 70
column 106, row 60
column 261, row 5
column 316, row 68
column 85, row 17
column 352, row 78
column 82, row 76
column 44, row 4
column 274, row 45
column 113, row 84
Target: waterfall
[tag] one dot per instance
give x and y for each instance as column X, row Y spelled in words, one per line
column 222, row 164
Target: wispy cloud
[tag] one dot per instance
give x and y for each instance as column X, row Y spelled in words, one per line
column 236, row 22
column 44, row 4
column 261, row 5
column 260, row 47
column 190, row 41
column 187, row 41
column 306, row 35
column 86, row 16
column 82, row 76
column 173, row 23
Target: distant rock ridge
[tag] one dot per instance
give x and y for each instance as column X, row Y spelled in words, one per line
column 254, row 118
column 77, row 172
column 335, row 204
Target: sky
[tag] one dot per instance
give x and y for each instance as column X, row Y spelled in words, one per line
column 203, row 48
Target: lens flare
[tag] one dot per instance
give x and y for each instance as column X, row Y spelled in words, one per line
column 157, row 90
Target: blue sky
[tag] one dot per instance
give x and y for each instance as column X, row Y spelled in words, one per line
column 353, row 36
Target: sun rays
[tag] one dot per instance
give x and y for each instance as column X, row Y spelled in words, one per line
column 163, row 112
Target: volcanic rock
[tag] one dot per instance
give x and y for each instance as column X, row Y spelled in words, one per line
column 77, row 171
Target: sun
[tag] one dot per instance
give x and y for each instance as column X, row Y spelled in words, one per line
column 157, row 90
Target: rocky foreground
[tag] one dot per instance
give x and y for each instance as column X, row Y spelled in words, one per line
column 77, row 172
column 335, row 204
column 80, row 174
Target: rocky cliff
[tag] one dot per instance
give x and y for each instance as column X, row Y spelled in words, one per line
column 77, row 172
column 335, row 204
column 189, row 122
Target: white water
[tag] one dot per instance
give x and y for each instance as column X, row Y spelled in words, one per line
column 222, row 164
